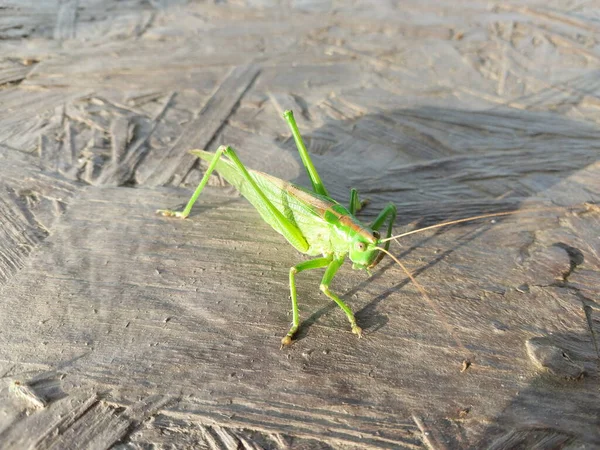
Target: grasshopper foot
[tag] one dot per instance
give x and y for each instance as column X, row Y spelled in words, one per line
column 357, row 330
column 170, row 213
column 287, row 340
column 363, row 204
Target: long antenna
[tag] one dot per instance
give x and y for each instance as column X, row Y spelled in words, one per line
column 423, row 292
column 469, row 219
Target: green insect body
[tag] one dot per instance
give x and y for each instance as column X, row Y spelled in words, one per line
column 322, row 221
column 311, row 221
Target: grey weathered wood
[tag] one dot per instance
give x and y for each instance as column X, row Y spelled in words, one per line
column 30, row 202
column 121, row 168
column 191, row 312
column 177, row 162
column 119, row 131
column 59, row 416
column 11, row 71
column 66, row 20
column 122, row 329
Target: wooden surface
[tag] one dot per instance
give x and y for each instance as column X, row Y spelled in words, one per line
column 121, row 329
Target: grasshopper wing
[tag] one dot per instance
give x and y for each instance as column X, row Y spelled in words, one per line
column 304, row 209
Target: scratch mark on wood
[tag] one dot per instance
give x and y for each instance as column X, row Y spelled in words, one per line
column 173, row 166
column 553, row 359
column 18, row 236
column 13, row 71
column 66, row 19
column 24, row 391
column 428, row 437
column 48, row 423
column 118, row 172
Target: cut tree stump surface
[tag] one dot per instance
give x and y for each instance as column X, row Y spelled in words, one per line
column 123, row 329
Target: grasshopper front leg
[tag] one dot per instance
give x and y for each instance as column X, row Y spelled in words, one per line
column 389, row 212
column 306, row 265
column 355, row 203
column 333, row 265
column 332, row 269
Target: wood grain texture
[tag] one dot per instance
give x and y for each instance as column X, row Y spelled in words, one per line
column 201, row 131
column 122, row 329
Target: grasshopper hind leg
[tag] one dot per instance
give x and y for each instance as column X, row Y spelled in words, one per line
column 186, row 211
column 315, row 179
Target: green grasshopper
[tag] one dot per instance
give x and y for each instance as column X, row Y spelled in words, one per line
column 311, row 221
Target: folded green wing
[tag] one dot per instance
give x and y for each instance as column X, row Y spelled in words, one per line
column 301, row 207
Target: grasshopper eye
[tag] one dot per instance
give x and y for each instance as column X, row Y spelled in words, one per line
column 376, row 234
column 360, row 246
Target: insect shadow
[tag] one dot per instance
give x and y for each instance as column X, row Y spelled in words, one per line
column 368, row 315
column 437, row 164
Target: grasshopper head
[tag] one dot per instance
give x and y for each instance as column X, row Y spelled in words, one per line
column 363, row 250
